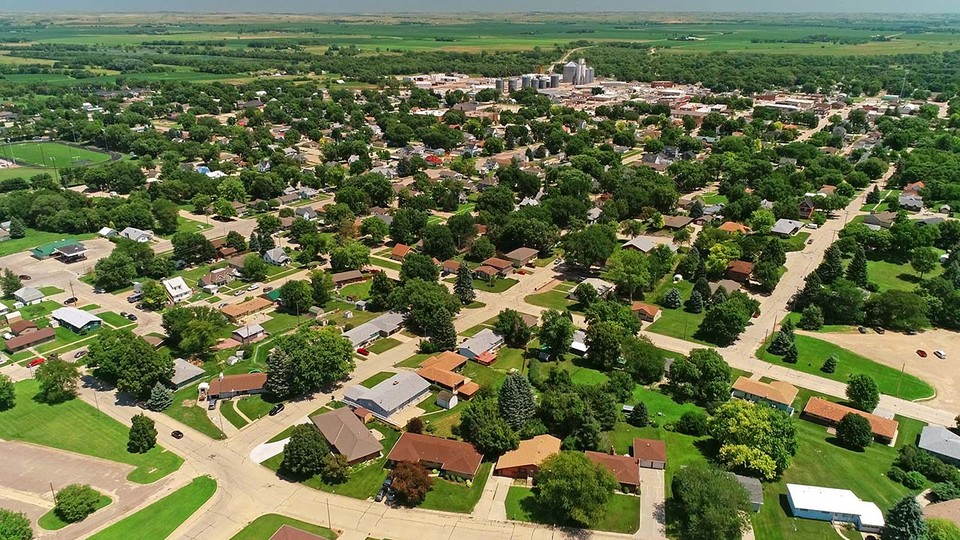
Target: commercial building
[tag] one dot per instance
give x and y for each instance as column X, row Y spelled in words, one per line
column 524, row 462
column 828, row 504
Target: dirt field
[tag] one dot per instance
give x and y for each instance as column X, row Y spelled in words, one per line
column 899, row 350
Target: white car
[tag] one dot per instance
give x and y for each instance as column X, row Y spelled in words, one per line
column 253, row 287
column 940, row 354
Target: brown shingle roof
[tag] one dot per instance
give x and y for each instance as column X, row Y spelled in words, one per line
column 21, row 325
column 530, row 452
column 650, row 450
column 453, row 456
column 650, row 309
column 777, row 391
column 740, row 267
column 236, row 311
column 286, row 532
column 834, row 412
column 676, row 222
column 400, row 250
column 499, row 264
column 31, row 338
column 734, row 227
column 347, row 434
column 237, row 383
column 625, row 469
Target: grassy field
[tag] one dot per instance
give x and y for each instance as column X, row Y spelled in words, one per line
column 187, row 411
column 383, row 345
column 52, row 522
column 34, row 238
column 888, row 275
column 552, row 299
column 622, row 513
column 678, row 323
column 161, row 518
column 254, row 407
column 68, row 426
column 266, row 525
column 228, row 410
column 48, row 154
column 449, row 496
column 498, row 285
column 814, row 351
column 377, row 379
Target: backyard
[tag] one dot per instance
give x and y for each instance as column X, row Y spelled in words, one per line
column 678, row 323
column 161, row 518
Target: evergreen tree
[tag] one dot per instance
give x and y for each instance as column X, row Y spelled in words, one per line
column 267, row 243
column 254, row 243
column 787, row 328
column 639, row 417
column 10, row 283
column 463, row 287
column 812, row 318
column 161, row 397
column 811, row 289
column 719, row 297
column 774, row 253
column 702, row 286
column 143, row 435
column 278, row 374
column 517, row 403
column 791, row 355
column 905, row 521
column 781, row 342
column 696, row 209
column 672, row 300
column 17, row 228
column 874, row 196
column 857, row 271
column 442, row 334
column 830, row 364
column 695, row 303
column 832, row 266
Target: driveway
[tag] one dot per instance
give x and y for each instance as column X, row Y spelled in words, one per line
column 652, row 496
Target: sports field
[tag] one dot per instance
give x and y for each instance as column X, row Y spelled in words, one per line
column 52, row 154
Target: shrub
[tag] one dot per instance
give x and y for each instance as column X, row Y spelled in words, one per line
column 914, row 480
column 411, row 483
column 693, row 423
column 942, row 529
column 896, row 474
column 830, row 364
column 75, row 502
column 946, row 491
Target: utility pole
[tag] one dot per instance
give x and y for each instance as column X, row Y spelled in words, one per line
column 329, row 521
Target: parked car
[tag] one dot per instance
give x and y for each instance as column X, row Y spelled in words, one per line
column 362, row 351
column 71, row 300
column 879, row 330
column 124, row 314
column 862, row 330
column 24, row 277
column 921, row 353
column 253, row 287
column 212, row 403
column 134, row 298
column 277, row 409
column 940, row 354
column 99, row 290
column 177, row 434
column 267, row 289
column 131, row 316
column 36, row 362
column 239, row 293
column 80, row 354
column 380, row 494
column 810, row 241
column 223, row 305
column 7, row 335
column 391, row 495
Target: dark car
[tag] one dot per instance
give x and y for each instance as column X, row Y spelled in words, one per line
column 71, row 300
column 861, row 329
column 267, row 289
column 879, row 330
column 921, row 353
column 24, row 277
column 177, row 434
column 277, row 409
column 212, row 404
column 124, row 314
column 380, row 494
column 131, row 316
column 80, row 354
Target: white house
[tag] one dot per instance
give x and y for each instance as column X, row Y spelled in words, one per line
column 828, row 504
column 177, row 289
column 27, row 296
column 276, row 256
column 483, row 342
column 137, row 235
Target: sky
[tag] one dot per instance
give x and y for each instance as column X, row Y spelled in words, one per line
column 512, row 6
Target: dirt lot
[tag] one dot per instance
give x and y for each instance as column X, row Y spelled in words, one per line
column 899, row 350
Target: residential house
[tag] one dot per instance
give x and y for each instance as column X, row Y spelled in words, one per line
column 486, row 273
column 650, row 453
column 389, row 396
column 754, row 490
column 306, row 212
column 504, row 267
column 399, row 252
column 383, row 326
column 521, row 256
column 524, row 462
column 880, row 219
column 640, row 244
column 912, row 203
column 727, row 285
column 106, row 232
column 450, row 266
column 443, row 370
column 23, row 326
column 342, row 279
column 603, row 288
column 806, row 208
column 223, row 250
column 777, row 394
column 942, row 443
column 249, row 334
column 452, row 458
column 625, row 469
column 77, row 320
column 913, row 188
column 28, row 296
column 177, row 289
column 276, row 256
column 676, row 222
column 30, row 339
column 734, row 228
column 227, row 386
column 829, row 413
column 786, row 227
column 594, row 214
column 185, row 373
column 235, row 312
column 481, row 346
column 216, row 278
column 288, row 198
column 347, row 435
column 289, row 532
column 828, row 504
column 646, row 312
column 137, row 235
column 739, row 270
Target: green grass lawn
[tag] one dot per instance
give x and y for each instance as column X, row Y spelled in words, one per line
column 282, row 435
column 228, row 411
column 52, row 154
column 188, row 411
column 68, row 426
column 52, row 522
column 498, row 285
column 795, row 242
column 677, row 323
column 580, row 372
column 385, row 263
column 64, row 338
column 36, row 311
column 814, row 351
column 552, row 299
column 622, row 513
column 267, row 525
column 50, row 290
column 254, row 407
column 383, row 345
column 888, row 275
column 457, row 497
column 357, row 291
column 483, row 375
column 414, row 361
column 114, row 319
column 508, row 359
column 281, row 321
column 34, row 238
column 377, row 379
column 161, row 518
column 474, row 330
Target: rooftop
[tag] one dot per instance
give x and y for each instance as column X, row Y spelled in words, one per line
column 650, row 450
column 777, row 391
column 345, row 432
column 391, row 393
column 244, row 382
column 530, row 452
column 882, row 427
column 835, row 501
column 74, row 317
column 626, row 469
column 453, row 456
column 940, row 440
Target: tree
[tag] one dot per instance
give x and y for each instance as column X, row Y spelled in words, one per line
column 767, row 274
column 375, row 228
column 830, row 364
column 924, row 259
column 590, row 247
column 114, row 272
column 415, row 425
column 672, row 300
column 694, row 304
column 296, row 296
column 482, row 249
column 514, row 330
column 8, row 393
column 639, row 417
column 812, row 318
column 642, row 359
column 380, row 288
column 723, row 323
column 161, row 397
column 897, row 310
column 603, row 344
column 556, row 333
column 440, row 331
column 753, row 438
column 154, row 294
column 693, row 423
column 192, row 247
column 781, row 342
column 463, row 228
column 420, row 299
column 710, row 504
column 143, row 435
column 854, row 432
column 863, row 393
column 130, row 362
column 703, row 377
column 58, row 380
column 407, row 225
column 905, row 521
column 336, row 470
column 75, row 502
column 857, row 271
column 254, row 268
column 762, row 221
column 516, row 400
column 482, row 425
column 438, row 242
column 349, row 256
column 223, row 209
column 236, row 241
column 11, row 283
column 629, row 271
column 309, row 359
column 17, row 228
column 321, row 287
column 463, row 286
column 304, row 452
column 942, row 529
column 573, row 488
column 14, row 525
column 410, row 482
column 832, row 266
column 418, row 266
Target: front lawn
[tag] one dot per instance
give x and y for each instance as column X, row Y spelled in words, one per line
column 889, row 275
column 552, row 299
column 383, row 345
column 622, row 513
column 52, row 522
column 186, row 410
column 161, row 518
column 114, row 319
column 228, row 411
column 377, row 379
column 50, row 290
column 265, row 526
column 254, row 407
column 814, row 351
column 498, row 285
column 385, row 263
column 795, row 242
column 414, row 361
column 448, row 496
column 70, row 425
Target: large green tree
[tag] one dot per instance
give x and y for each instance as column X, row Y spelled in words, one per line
column 58, row 380
column 556, row 333
column 516, row 400
column 863, row 393
column 463, row 286
column 642, row 359
column 304, row 452
column 756, row 439
column 482, row 425
column 511, row 326
column 126, row 359
column 309, row 359
column 14, row 525
column 8, row 393
column 905, row 521
column 710, row 504
column 143, row 435
column 75, row 502
column 574, row 489
column 703, row 377
column 854, row 432
column 296, row 296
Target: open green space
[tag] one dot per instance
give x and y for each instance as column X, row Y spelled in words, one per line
column 414, row 361
column 50, row 290
column 509, row 359
column 483, row 375
column 552, row 299
column 890, row 275
column 69, row 425
column 34, row 238
column 383, row 345
column 580, row 372
column 813, row 352
column 52, row 522
column 357, row 291
column 496, row 286
column 377, row 379
column 459, row 497
column 186, row 410
column 385, row 263
column 265, row 526
column 64, row 339
column 254, row 407
column 621, row 515
column 228, row 410
column 678, row 323
column 52, row 154
column 161, row 518
column 114, row 319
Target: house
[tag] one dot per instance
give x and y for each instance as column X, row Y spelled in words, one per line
column 912, row 203
column 650, row 453
column 880, row 219
column 276, row 256
column 829, row 413
column 185, row 373
column 216, row 278
column 502, row 266
column 640, row 244
column 28, row 296
column 53, row 248
column 754, row 490
column 107, row 232
column 913, row 188
column 727, row 285
column 391, row 395
column 444, row 370
column 739, row 270
column 603, row 288
column 177, row 289
column 22, row 326
column 227, row 386
column 446, row 400
column 828, row 504
column 482, row 344
column 399, row 252
column 454, row 458
column 777, row 394
column 347, row 435
column 342, row 279
column 625, row 469
column 249, row 333
column 676, row 222
column 30, row 339
column 524, row 462
column 137, row 235
column 786, row 227
column 383, row 326
column 235, row 312
column 806, row 208
column 450, row 266
column 734, row 228
column 594, row 214
column 289, row 532
column 486, row 273
column 77, row 320
column 646, row 312
column 521, row 256
column 306, row 212
column 942, row 443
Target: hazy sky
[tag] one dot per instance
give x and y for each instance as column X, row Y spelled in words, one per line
column 382, row 6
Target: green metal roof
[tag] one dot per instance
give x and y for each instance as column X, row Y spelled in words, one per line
column 47, row 249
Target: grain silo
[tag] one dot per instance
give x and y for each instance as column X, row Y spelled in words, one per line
column 554, row 80
column 570, row 72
